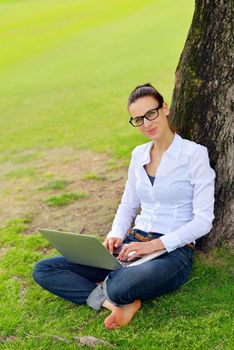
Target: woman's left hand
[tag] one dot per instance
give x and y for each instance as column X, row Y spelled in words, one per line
column 138, row 248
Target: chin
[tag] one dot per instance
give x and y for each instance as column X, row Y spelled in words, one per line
column 154, row 137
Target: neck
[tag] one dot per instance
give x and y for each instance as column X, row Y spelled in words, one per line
column 162, row 144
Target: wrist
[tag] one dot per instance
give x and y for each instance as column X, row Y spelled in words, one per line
column 158, row 244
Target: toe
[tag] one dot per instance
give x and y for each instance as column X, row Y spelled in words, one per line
column 112, row 326
column 109, row 320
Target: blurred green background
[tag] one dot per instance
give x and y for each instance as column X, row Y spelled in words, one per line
column 67, row 68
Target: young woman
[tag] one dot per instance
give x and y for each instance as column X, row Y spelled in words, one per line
column 171, row 181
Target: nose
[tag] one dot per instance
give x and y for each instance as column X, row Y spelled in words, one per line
column 148, row 124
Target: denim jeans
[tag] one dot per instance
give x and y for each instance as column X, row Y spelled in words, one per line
column 78, row 283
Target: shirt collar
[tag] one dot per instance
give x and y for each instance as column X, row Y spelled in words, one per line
column 173, row 150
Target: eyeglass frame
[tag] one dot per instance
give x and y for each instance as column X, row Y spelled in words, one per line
column 144, row 116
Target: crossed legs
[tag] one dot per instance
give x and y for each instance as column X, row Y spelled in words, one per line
column 122, row 290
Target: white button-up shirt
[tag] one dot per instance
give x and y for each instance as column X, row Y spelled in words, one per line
column 179, row 204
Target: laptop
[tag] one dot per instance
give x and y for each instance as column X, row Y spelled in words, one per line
column 88, row 250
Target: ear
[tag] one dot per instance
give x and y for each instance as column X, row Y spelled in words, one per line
column 166, row 108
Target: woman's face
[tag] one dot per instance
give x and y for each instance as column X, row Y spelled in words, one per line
column 155, row 128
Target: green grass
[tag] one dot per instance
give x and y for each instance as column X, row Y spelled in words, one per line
column 55, row 185
column 26, row 157
column 197, row 316
column 22, row 172
column 93, row 176
column 48, row 174
column 67, row 68
column 65, row 198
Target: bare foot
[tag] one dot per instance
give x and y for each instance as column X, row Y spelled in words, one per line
column 122, row 315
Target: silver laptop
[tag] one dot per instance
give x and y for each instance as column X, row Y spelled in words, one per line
column 88, row 250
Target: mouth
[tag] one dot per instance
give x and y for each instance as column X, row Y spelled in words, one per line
column 152, row 131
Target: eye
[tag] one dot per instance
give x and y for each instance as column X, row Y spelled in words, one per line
column 151, row 114
column 138, row 120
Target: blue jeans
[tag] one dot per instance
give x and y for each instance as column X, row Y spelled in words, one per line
column 77, row 283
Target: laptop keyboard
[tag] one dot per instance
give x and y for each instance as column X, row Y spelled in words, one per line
column 124, row 263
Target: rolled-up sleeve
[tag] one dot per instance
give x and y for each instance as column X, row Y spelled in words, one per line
column 129, row 204
column 202, row 177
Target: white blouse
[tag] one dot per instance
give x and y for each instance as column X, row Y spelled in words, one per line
column 179, row 204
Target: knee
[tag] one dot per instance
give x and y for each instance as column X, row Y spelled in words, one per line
column 119, row 290
column 40, row 271
column 117, row 296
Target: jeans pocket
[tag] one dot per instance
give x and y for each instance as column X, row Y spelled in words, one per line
column 186, row 251
column 185, row 262
column 184, row 255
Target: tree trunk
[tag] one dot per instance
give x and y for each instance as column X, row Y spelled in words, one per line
column 202, row 104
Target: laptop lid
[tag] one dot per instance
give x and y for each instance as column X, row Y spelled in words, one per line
column 81, row 249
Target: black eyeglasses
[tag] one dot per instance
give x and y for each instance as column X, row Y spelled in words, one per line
column 149, row 115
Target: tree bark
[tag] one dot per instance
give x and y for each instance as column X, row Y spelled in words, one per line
column 202, row 104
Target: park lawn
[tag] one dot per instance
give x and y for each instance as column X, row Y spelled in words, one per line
column 66, row 69
column 197, row 316
column 68, row 66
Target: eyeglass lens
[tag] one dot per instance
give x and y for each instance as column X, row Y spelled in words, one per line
column 140, row 120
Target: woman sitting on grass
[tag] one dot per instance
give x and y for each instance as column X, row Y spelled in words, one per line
column 171, row 180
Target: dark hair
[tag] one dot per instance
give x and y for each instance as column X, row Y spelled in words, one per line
column 148, row 90
column 145, row 90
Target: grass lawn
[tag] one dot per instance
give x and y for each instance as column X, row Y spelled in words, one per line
column 68, row 66
column 198, row 316
column 66, row 69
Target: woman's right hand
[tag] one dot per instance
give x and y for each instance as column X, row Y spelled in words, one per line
column 112, row 243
